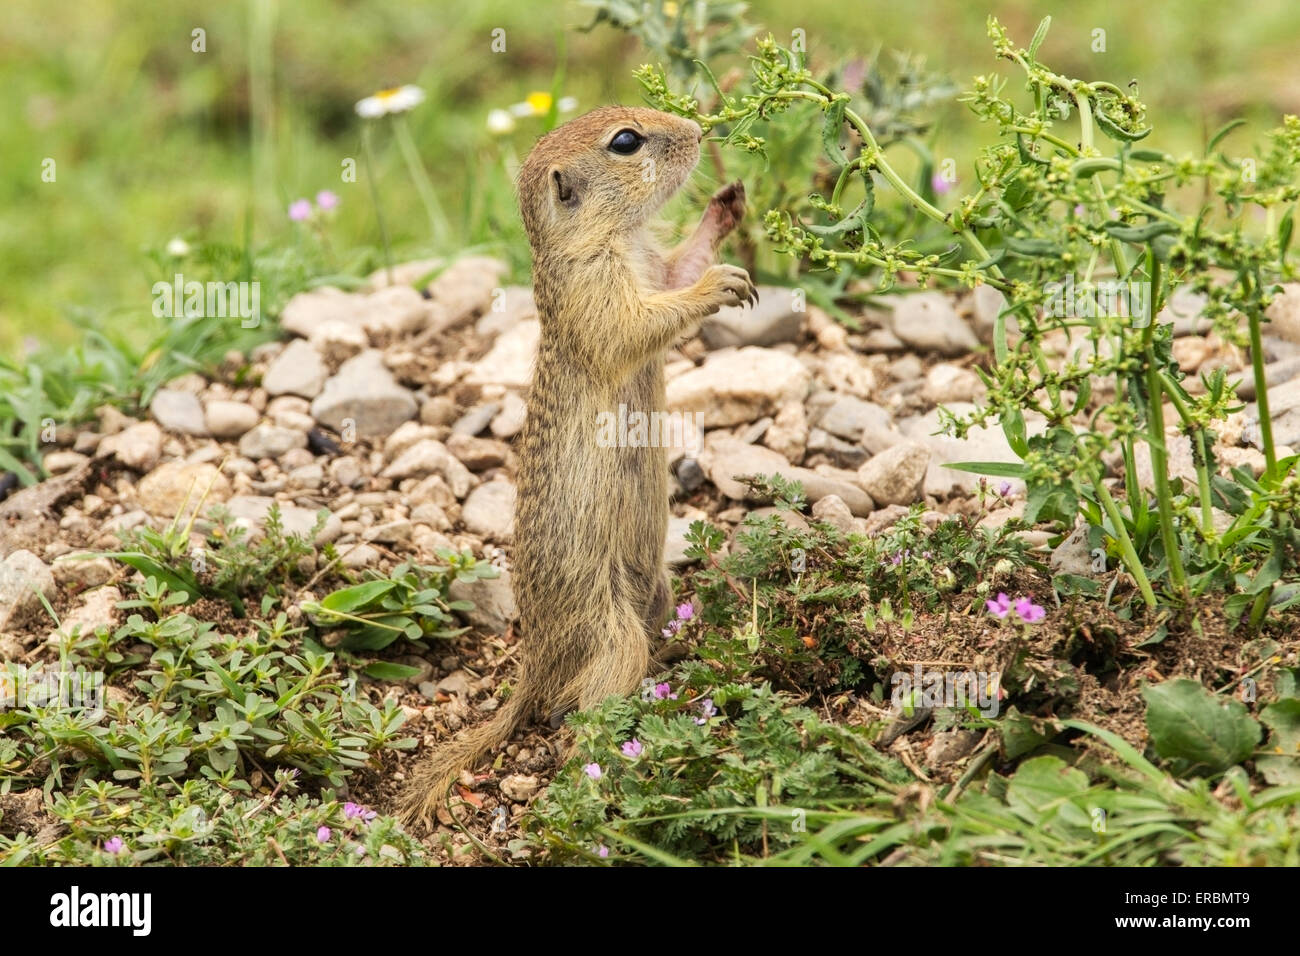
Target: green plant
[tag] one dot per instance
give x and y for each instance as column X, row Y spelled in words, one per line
column 411, row 602
column 1047, row 210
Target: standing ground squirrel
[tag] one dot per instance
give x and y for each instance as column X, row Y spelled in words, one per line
column 589, row 574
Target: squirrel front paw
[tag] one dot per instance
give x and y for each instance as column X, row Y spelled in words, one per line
column 727, row 208
column 727, row 285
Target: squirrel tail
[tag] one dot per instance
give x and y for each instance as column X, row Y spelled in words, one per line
column 432, row 778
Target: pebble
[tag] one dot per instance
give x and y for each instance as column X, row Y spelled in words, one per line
column 510, row 360
column 178, row 411
column 169, row 487
column 226, row 419
column 270, row 441
column 896, row 475
column 776, row 318
column 494, row 602
column 734, row 386
column 298, row 370
column 138, row 447
column 928, row 322
column 489, row 510
column 23, row 577
column 363, row 395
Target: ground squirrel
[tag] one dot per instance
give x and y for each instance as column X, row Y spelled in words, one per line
column 589, row 533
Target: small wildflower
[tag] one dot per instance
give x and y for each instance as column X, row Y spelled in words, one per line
column 397, row 99
column 1000, row 606
column 323, row 835
column 708, row 710
column 685, row 611
column 326, row 200
column 671, row 628
column 115, row 845
column 602, row 851
column 664, row 692
column 1029, row 611
column 178, row 248
column 300, row 210
column 500, row 123
column 592, row 770
column 354, row 811
column 940, row 184
column 1004, row 489
column 632, row 748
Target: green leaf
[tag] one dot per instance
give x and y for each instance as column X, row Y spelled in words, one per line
column 1039, row 35
column 1188, row 723
column 387, row 670
column 998, row 469
column 180, row 582
column 350, row 599
column 1282, row 765
column 833, row 129
column 1224, row 130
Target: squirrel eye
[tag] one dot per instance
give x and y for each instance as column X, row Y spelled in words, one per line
column 626, row 142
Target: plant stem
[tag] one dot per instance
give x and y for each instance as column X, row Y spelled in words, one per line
column 1126, row 550
column 1261, row 392
column 1160, row 471
column 437, row 220
column 372, row 180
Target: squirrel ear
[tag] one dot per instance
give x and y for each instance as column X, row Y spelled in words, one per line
column 564, row 187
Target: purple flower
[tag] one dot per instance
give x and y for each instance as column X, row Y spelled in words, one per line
column 1029, row 611
column 592, row 770
column 326, row 200
column 114, row 845
column 672, row 628
column 323, row 835
column 1000, row 606
column 300, row 210
column 1004, row 489
column 602, row 851
column 926, row 555
column 632, row 748
column 354, row 811
column 708, row 710
column 940, row 184
column 1078, row 209
column 685, row 611
column 664, row 692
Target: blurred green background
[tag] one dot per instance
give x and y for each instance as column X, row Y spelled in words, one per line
column 153, row 140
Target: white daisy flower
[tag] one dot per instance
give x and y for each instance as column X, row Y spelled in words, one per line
column 178, row 248
column 539, row 104
column 500, row 122
column 399, row 99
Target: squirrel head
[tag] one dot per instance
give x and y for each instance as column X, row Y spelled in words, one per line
column 604, row 174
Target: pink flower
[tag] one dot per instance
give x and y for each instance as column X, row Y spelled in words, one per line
column 602, row 851
column 664, row 692
column 354, row 811
column 632, row 748
column 326, row 200
column 940, row 184
column 592, row 770
column 1029, row 611
column 300, row 210
column 323, row 835
column 1001, row 606
column 685, row 611
column 114, row 845
column 708, row 710
column 1004, row 489
column 672, row 628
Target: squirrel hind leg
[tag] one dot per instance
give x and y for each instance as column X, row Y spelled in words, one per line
column 620, row 658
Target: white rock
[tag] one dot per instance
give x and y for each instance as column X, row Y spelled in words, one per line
column 166, row 489
column 250, row 511
column 927, row 321
column 178, row 411
column 23, row 578
column 494, row 602
column 895, row 476
column 510, row 361
column 227, row 419
column 489, row 511
column 270, row 441
column 364, row 394
column 739, row 385
column 138, row 447
column 298, row 370
column 772, row 321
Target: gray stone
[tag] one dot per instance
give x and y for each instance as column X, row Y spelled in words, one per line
column 230, row 419
column 478, row 454
column 519, row 788
column 430, row 457
column 494, row 602
column 1072, row 556
column 773, row 320
column 270, row 441
column 298, row 370
column 739, row 385
column 364, row 394
column 512, row 306
column 895, row 476
column 675, row 541
column 466, row 287
column 98, row 608
column 169, row 487
column 927, row 321
column 848, row 416
column 476, row 419
column 840, row 452
column 250, row 511
column 81, row 570
column 138, row 447
column 510, row 360
column 834, row 512
column 489, row 511
column 178, row 411
column 949, row 383
column 725, row 458
column 58, row 462
column 394, row 311
column 23, row 578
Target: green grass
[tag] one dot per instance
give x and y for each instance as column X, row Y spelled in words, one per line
column 152, row 140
